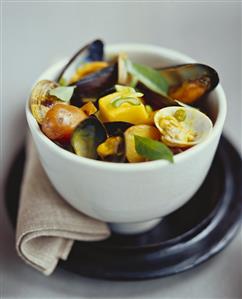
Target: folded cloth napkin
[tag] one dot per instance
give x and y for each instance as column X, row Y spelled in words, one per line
column 47, row 226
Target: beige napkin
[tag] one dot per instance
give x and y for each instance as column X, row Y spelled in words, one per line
column 47, row 226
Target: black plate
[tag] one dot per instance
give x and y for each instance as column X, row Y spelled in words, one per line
column 183, row 239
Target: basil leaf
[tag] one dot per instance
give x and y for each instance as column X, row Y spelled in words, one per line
column 63, row 93
column 152, row 149
column 149, row 77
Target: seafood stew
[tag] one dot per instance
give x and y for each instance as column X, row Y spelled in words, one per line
column 120, row 111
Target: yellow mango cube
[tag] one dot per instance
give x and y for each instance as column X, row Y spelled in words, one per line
column 128, row 108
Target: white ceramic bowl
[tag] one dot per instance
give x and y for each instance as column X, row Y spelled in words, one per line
column 132, row 197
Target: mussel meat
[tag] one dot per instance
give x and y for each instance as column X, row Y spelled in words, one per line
column 182, row 126
column 112, row 149
column 40, row 100
column 87, row 136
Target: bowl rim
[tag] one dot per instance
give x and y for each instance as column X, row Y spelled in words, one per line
column 146, row 166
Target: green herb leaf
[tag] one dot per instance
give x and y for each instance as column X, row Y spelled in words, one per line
column 132, row 101
column 63, row 93
column 149, row 77
column 152, row 149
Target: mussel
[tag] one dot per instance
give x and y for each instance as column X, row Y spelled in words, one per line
column 187, row 83
column 87, row 136
column 92, row 86
column 182, row 127
column 89, row 53
column 89, row 73
column 40, row 100
column 113, row 148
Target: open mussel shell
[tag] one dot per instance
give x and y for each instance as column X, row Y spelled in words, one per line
column 177, row 74
column 91, row 52
column 187, row 83
column 87, row 136
column 116, row 128
column 182, row 127
column 92, row 86
column 40, row 100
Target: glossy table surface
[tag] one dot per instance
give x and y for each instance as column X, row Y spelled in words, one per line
column 37, row 34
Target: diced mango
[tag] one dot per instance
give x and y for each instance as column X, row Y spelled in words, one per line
column 126, row 111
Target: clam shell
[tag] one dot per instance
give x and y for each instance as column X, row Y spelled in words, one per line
column 40, row 101
column 196, row 124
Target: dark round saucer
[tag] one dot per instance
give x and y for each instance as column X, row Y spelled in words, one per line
column 183, row 239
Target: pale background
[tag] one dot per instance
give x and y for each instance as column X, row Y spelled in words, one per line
column 37, row 34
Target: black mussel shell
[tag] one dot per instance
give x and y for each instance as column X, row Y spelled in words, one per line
column 95, row 51
column 91, row 52
column 93, row 85
column 87, row 136
column 107, row 91
column 79, row 102
column 116, row 128
column 65, row 145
